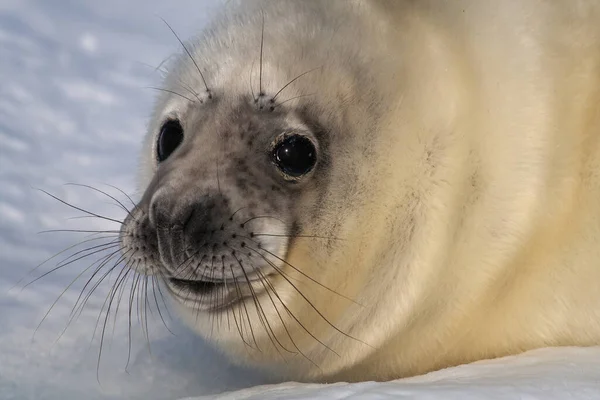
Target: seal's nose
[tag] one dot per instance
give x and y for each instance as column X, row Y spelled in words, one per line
column 187, row 213
column 187, row 222
column 167, row 217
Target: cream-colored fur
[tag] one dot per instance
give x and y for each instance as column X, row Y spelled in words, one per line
column 465, row 195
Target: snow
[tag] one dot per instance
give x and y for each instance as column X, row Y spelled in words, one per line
column 73, row 108
column 544, row 374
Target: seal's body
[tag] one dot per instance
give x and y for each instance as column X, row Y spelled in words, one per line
column 368, row 190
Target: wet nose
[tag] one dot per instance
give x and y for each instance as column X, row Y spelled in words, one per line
column 187, row 213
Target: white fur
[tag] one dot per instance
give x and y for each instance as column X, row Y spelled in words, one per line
column 471, row 225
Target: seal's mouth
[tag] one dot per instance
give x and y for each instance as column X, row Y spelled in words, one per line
column 208, row 266
column 213, row 295
column 195, row 286
column 204, row 295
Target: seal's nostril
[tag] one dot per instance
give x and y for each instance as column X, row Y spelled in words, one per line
column 191, row 211
column 160, row 213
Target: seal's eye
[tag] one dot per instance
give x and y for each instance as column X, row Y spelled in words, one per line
column 295, row 155
column 170, row 136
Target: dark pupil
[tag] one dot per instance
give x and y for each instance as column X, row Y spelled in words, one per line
column 295, row 155
column 171, row 136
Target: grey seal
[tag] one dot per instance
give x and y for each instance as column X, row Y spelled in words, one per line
column 375, row 189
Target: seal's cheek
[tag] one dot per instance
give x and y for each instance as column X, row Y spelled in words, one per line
column 315, row 281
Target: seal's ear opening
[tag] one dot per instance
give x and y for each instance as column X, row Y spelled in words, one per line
column 169, row 138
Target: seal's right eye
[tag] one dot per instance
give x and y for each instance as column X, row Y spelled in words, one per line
column 170, row 136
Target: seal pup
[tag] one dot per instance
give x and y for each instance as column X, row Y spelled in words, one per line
column 366, row 190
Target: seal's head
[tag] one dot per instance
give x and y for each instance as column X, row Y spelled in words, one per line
column 271, row 186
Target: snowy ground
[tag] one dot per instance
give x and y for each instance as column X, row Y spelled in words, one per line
column 73, row 106
column 543, row 374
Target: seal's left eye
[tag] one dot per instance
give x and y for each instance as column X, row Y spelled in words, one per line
column 295, row 155
column 170, row 136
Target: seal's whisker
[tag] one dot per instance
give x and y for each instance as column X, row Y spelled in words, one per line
column 299, row 271
column 138, row 304
column 202, row 295
column 124, row 194
column 110, row 255
column 310, row 303
column 236, row 211
column 81, row 217
column 189, row 90
column 222, row 301
column 123, row 284
column 154, row 285
column 262, row 216
column 114, row 233
column 275, row 340
column 129, row 313
column 107, row 304
column 145, row 310
column 112, row 243
column 239, row 324
column 172, row 92
column 111, row 292
column 274, row 106
column 186, row 263
column 64, row 264
column 121, row 278
column 250, row 82
column 97, row 284
column 75, row 310
column 312, row 306
column 264, row 283
column 292, row 81
column 243, row 302
column 79, row 208
column 101, row 192
column 54, row 256
column 262, row 42
column 94, row 287
column 259, row 310
column 297, row 236
column 159, row 68
column 117, row 201
column 102, row 264
column 233, row 310
column 58, row 299
column 213, row 293
column 265, row 279
column 162, row 297
column 189, row 259
column 120, row 289
column 189, row 55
